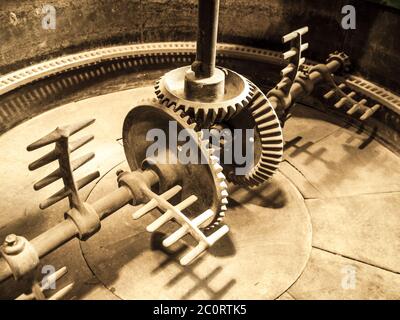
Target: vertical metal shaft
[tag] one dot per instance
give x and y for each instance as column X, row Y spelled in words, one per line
column 207, row 32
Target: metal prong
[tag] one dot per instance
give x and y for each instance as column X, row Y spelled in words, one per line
column 217, row 235
column 152, row 204
column 356, row 106
column 341, row 102
column 292, row 35
column 63, row 193
column 74, row 145
column 290, row 68
column 52, row 177
column 181, row 232
column 59, row 133
column 178, row 234
column 288, row 54
column 58, row 196
column 329, row 94
column 74, row 128
column 202, row 217
column 53, row 278
column 304, row 47
column 168, row 214
column 351, row 94
column 30, row 296
column 156, row 224
column 46, row 159
column 79, row 162
column 88, row 179
column 193, row 254
column 53, row 155
column 370, row 112
column 55, row 175
column 53, row 136
column 61, row 293
column 353, row 109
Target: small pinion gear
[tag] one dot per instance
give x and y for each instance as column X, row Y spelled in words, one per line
column 169, row 90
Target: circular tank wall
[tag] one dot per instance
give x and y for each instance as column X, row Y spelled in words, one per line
column 373, row 46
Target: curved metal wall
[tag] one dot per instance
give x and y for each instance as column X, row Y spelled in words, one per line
column 83, row 24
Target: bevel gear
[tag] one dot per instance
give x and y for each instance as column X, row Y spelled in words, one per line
column 205, row 180
column 268, row 140
column 169, row 89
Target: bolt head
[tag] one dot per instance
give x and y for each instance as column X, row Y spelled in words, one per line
column 11, row 239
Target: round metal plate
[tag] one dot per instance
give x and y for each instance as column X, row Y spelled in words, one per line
column 265, row 252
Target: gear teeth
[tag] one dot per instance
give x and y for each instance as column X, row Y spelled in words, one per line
column 200, row 135
column 211, row 151
column 217, row 168
column 206, row 113
column 270, row 132
column 213, row 161
column 221, row 187
column 222, row 113
column 203, row 115
column 205, row 144
column 212, row 114
column 193, row 126
column 186, row 118
column 221, row 176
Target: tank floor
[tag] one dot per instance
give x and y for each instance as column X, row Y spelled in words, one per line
column 340, row 186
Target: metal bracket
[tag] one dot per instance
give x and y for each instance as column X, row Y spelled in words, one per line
column 86, row 220
column 20, row 255
column 290, row 73
column 343, row 99
column 174, row 212
column 82, row 214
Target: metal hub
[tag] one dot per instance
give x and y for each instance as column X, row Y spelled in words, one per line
column 170, row 90
column 210, row 186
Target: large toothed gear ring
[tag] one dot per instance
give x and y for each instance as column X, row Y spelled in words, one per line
column 169, row 90
column 205, row 180
column 268, row 140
